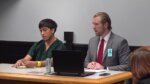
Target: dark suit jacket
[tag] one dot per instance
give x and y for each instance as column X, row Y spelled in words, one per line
column 120, row 51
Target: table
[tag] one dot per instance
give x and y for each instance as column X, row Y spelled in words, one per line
column 36, row 75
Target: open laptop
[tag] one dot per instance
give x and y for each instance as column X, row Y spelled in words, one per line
column 69, row 62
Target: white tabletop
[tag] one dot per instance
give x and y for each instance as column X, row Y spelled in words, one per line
column 7, row 68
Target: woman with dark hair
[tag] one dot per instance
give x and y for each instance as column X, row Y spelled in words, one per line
column 42, row 49
column 140, row 65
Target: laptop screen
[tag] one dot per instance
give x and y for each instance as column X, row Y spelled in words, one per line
column 68, row 61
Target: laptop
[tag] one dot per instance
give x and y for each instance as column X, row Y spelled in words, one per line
column 69, row 63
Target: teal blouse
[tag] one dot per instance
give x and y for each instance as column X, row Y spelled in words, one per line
column 38, row 53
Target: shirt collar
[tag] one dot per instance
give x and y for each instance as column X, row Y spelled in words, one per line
column 106, row 38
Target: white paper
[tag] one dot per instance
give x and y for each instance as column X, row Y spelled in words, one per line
column 91, row 70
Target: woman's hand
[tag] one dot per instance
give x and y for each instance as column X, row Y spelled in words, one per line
column 30, row 64
column 19, row 63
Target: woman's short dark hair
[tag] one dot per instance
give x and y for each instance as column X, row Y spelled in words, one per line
column 48, row 23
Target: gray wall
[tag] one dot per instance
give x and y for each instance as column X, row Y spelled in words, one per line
column 19, row 18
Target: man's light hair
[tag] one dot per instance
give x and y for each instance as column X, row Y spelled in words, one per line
column 105, row 18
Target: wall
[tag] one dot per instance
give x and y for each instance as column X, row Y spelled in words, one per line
column 19, row 18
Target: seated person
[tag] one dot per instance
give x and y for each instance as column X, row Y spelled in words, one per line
column 42, row 49
column 106, row 50
column 140, row 65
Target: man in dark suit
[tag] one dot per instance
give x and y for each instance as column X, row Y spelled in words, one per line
column 106, row 50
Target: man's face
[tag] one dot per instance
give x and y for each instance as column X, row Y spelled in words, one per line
column 46, row 33
column 98, row 26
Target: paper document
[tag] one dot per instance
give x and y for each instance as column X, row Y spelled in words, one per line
column 91, row 70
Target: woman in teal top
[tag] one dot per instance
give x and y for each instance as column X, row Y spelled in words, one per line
column 42, row 49
column 38, row 53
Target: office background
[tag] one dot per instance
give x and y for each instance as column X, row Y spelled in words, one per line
column 19, row 18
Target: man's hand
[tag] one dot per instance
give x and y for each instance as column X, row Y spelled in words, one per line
column 95, row 65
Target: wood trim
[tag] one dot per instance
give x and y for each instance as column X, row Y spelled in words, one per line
column 65, row 79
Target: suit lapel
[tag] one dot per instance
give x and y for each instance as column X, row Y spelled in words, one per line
column 96, row 46
column 109, row 45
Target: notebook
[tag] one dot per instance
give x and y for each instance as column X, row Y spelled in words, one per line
column 69, row 63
